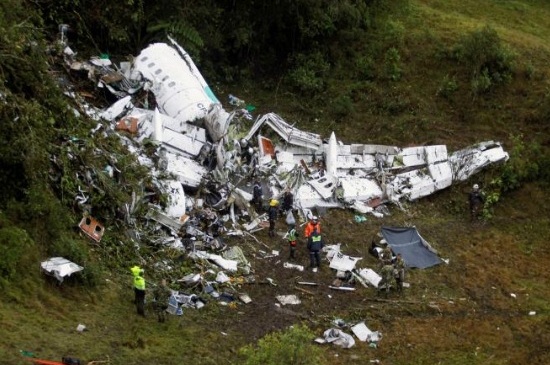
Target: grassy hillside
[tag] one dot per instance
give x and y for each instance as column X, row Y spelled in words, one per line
column 459, row 313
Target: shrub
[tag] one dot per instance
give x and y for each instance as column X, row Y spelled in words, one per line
column 392, row 61
column 308, row 73
column 489, row 62
column 365, row 68
column 293, row 346
column 522, row 166
column 448, row 87
column 14, row 243
column 342, row 106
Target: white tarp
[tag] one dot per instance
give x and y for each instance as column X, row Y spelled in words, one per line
column 60, row 267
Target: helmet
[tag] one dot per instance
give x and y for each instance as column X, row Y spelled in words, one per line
column 273, row 203
column 476, row 186
column 314, row 218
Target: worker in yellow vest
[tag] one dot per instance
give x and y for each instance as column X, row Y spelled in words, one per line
column 139, row 289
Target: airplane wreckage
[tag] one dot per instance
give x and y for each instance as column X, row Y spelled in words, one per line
column 214, row 155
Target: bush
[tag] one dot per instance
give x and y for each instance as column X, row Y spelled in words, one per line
column 489, row 62
column 14, row 243
column 293, row 346
column 342, row 106
column 392, row 63
column 309, row 72
column 448, row 87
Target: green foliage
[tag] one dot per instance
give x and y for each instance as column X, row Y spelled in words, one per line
column 342, row 106
column 293, row 346
column 393, row 33
column 392, row 63
column 309, row 73
column 365, row 68
column 487, row 59
column 14, row 243
column 488, row 206
column 448, row 87
column 182, row 32
column 522, row 166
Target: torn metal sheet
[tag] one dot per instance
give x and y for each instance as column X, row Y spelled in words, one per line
column 163, row 219
column 245, row 298
column 288, row 132
column 343, row 262
column 92, row 228
column 230, row 265
column 371, row 276
column 363, row 333
column 60, row 267
column 189, row 172
column 337, row 337
column 176, row 206
column 342, row 288
column 471, row 160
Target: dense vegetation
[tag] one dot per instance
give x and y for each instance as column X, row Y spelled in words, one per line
column 379, row 71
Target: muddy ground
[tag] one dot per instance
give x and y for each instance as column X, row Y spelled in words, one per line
column 473, row 310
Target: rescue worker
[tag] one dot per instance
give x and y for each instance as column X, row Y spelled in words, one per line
column 272, row 214
column 135, row 272
column 476, row 202
column 399, row 271
column 257, row 196
column 288, row 201
column 291, row 237
column 387, row 278
column 314, row 245
column 313, row 224
column 161, row 295
column 386, row 256
column 139, row 290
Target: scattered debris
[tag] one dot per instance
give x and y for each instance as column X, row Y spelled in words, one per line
column 92, row 228
column 288, row 265
column 60, row 268
column 364, row 334
column 337, row 337
column 288, row 299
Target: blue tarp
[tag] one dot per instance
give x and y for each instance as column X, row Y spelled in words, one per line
column 413, row 248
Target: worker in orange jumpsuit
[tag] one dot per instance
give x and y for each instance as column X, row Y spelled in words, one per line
column 312, row 225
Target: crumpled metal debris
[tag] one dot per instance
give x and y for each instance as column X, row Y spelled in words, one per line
column 205, row 159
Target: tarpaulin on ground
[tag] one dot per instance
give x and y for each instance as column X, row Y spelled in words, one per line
column 415, row 250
